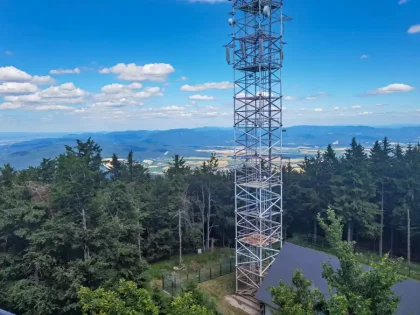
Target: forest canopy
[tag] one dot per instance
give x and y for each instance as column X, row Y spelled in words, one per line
column 69, row 223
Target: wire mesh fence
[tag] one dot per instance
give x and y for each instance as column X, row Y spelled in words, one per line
column 173, row 282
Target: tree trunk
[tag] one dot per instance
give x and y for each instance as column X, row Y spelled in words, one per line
column 203, row 218
column 180, row 236
column 392, row 241
column 315, row 232
column 139, row 242
column 382, row 221
column 208, row 220
column 408, row 238
column 223, row 237
column 86, row 248
column 349, row 232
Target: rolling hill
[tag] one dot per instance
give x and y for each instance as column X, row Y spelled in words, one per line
column 23, row 150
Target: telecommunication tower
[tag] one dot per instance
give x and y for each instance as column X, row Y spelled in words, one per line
column 256, row 54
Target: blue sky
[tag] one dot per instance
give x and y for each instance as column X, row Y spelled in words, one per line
column 118, row 65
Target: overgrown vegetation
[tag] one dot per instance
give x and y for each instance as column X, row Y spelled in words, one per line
column 69, row 223
column 128, row 299
column 352, row 289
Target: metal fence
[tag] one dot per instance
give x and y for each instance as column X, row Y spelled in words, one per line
column 173, row 282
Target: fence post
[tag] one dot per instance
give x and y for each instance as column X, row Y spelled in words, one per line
column 172, row 287
column 199, row 275
column 210, row 273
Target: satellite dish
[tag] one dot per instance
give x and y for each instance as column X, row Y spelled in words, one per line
column 267, row 11
column 231, row 21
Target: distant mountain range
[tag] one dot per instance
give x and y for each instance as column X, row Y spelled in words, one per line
column 26, row 149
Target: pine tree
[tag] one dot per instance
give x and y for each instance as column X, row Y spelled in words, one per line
column 353, row 189
column 117, row 168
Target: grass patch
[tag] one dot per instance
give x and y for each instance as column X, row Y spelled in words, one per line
column 192, row 262
column 218, row 289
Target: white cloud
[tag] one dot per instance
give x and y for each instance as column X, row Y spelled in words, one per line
column 183, row 78
column 356, row 106
column 118, row 95
column 379, row 104
column 8, row 52
column 66, row 90
column 316, row 96
column 147, row 93
column 289, row 98
column 336, row 108
column 207, row 86
column 132, row 72
column 392, row 88
column 119, row 88
column 65, row 71
column 12, row 74
column 400, row 2
column 414, row 29
column 318, row 110
column 80, row 110
column 152, row 90
column 61, row 95
column 365, row 113
column 364, row 56
column 172, row 108
column 17, row 88
column 199, row 97
column 53, row 107
column 42, row 80
column 118, row 103
column 9, row 105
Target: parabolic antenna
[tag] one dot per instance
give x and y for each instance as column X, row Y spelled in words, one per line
column 231, row 21
column 228, row 55
column 267, row 11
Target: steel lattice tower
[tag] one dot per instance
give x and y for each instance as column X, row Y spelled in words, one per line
column 256, row 53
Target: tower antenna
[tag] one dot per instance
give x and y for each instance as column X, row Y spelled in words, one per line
column 257, row 50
